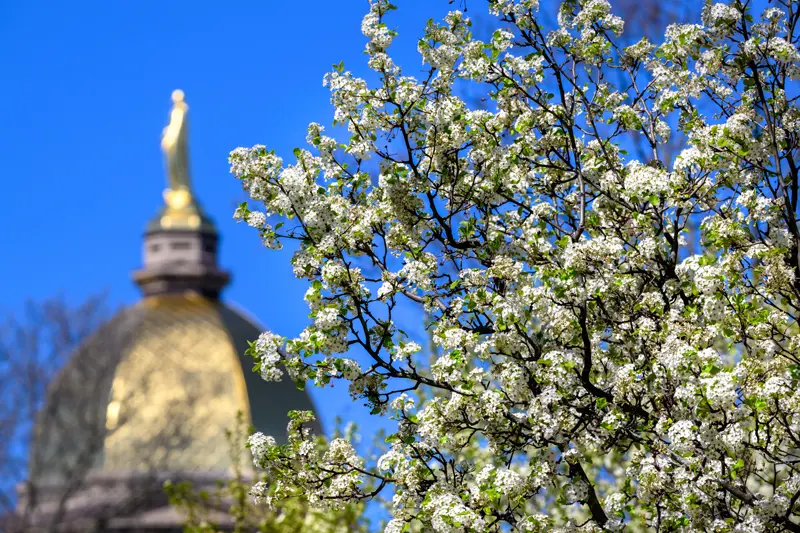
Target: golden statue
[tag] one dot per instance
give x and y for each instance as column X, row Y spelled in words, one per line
column 174, row 143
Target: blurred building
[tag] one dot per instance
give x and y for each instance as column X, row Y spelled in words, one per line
column 149, row 397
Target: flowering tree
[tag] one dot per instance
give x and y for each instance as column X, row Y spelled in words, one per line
column 592, row 374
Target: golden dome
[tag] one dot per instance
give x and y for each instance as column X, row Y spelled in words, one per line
column 182, row 368
column 156, row 389
column 152, row 394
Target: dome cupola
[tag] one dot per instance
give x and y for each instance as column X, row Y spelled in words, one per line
column 180, row 243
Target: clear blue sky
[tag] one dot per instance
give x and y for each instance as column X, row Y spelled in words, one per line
column 85, row 95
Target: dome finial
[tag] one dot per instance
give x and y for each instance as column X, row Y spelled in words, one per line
column 177, row 96
column 175, row 144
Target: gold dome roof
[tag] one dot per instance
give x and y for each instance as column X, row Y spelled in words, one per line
column 183, row 369
column 156, row 389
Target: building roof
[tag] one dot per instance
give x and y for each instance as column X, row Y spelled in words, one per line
column 155, row 389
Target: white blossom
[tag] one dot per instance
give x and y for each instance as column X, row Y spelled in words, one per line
column 600, row 261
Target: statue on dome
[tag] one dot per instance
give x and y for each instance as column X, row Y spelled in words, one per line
column 174, row 143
